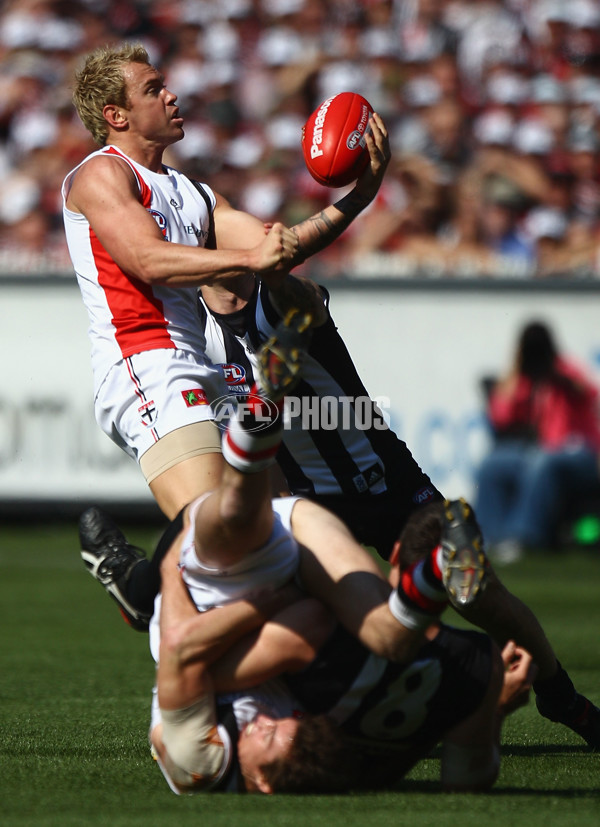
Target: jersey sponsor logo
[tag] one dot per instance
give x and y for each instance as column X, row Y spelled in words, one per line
column 198, row 232
column 363, row 482
column 161, row 221
column 360, row 483
column 194, row 396
column 148, row 413
column 423, row 495
column 234, row 374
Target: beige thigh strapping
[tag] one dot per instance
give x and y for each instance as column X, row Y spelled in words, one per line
column 179, row 445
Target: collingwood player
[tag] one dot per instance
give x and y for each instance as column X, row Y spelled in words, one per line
column 325, row 465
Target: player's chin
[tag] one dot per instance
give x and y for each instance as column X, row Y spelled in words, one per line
column 176, row 133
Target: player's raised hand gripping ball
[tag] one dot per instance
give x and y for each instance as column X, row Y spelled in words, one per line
column 333, row 139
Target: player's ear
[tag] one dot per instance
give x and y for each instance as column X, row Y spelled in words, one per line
column 114, row 116
column 394, row 573
column 395, row 555
column 262, row 785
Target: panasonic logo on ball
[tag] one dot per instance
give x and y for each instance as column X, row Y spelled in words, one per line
column 317, row 137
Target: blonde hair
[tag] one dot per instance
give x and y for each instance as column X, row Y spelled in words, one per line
column 100, row 81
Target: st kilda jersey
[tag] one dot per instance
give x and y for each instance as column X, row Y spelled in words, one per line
column 335, row 439
column 127, row 316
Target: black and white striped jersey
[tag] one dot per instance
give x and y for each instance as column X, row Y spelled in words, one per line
column 392, row 710
column 323, row 450
column 336, row 448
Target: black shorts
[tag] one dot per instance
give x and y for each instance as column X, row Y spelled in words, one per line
column 377, row 519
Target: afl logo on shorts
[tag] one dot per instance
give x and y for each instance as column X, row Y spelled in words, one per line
column 234, row 374
column 161, row 221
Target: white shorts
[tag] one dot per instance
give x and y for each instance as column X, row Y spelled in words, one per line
column 266, row 568
column 150, row 394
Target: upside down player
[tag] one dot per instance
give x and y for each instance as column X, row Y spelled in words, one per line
column 231, row 544
column 391, row 714
column 324, row 465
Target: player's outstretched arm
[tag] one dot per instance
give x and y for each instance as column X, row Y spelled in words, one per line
column 318, row 231
column 471, row 750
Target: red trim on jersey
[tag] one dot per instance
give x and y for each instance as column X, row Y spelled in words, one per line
column 137, row 315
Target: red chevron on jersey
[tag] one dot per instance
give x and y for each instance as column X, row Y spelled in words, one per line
column 127, row 315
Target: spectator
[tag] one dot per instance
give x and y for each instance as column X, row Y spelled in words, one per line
column 544, row 413
column 431, row 68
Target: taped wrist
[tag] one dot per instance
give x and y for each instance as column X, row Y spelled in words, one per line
column 197, row 754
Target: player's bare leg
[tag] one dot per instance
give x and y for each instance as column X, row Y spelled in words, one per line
column 186, row 481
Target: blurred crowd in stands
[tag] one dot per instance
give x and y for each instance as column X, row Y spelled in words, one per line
column 493, row 110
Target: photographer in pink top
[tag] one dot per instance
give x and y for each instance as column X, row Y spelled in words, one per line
column 544, row 414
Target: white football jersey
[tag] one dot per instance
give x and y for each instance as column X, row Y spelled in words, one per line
column 126, row 315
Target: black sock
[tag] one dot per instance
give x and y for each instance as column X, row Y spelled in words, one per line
column 558, row 689
column 144, row 582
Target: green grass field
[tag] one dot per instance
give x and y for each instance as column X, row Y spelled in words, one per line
column 74, row 703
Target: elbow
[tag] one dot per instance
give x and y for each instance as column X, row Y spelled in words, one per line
column 149, row 274
column 173, row 646
column 147, row 266
column 183, row 645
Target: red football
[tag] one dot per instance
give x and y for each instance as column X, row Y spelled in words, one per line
column 333, row 139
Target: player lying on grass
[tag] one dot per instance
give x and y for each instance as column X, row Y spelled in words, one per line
column 232, row 544
column 374, row 718
column 316, row 463
column 389, row 710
